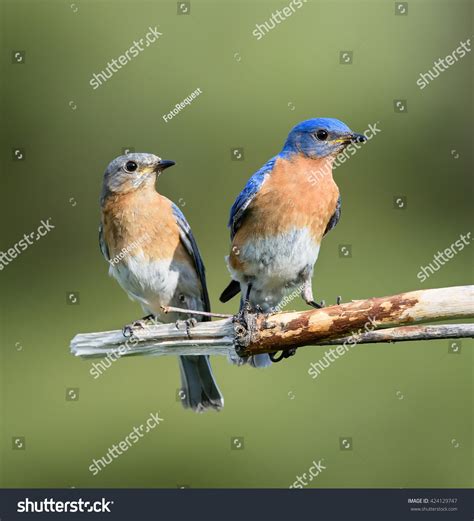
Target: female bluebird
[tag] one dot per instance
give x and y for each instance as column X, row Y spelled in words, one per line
column 155, row 259
column 278, row 220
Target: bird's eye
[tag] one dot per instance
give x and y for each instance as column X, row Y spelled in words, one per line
column 130, row 166
column 322, row 134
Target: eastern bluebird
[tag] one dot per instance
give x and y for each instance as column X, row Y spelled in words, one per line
column 155, row 259
column 278, row 220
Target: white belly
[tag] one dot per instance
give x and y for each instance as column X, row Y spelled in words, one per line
column 275, row 264
column 158, row 283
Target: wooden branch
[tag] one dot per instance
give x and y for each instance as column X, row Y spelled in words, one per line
column 407, row 334
column 360, row 321
column 212, row 338
column 94, row 345
column 260, row 334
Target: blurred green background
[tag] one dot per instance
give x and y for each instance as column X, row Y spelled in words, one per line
column 407, row 407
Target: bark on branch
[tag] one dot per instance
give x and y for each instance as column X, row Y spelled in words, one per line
column 383, row 319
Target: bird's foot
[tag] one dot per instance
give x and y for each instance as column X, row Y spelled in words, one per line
column 316, row 305
column 243, row 322
column 322, row 304
column 245, row 311
column 258, row 310
column 129, row 329
column 186, row 325
column 284, row 354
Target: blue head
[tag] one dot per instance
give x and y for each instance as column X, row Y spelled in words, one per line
column 320, row 137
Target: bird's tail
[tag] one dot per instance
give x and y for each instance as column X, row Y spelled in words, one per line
column 232, row 289
column 199, row 390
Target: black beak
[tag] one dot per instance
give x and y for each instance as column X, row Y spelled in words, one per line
column 358, row 138
column 164, row 163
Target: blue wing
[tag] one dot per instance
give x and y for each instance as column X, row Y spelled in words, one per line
column 247, row 195
column 191, row 246
column 335, row 217
column 102, row 244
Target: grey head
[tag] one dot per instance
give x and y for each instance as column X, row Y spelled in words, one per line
column 132, row 172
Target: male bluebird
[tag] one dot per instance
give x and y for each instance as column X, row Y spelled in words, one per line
column 154, row 257
column 278, row 220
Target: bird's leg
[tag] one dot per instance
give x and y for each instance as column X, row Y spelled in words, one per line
column 147, row 320
column 245, row 307
column 307, row 295
column 243, row 323
column 247, row 295
column 338, row 299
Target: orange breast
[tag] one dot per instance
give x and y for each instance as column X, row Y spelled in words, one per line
column 143, row 219
column 298, row 193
